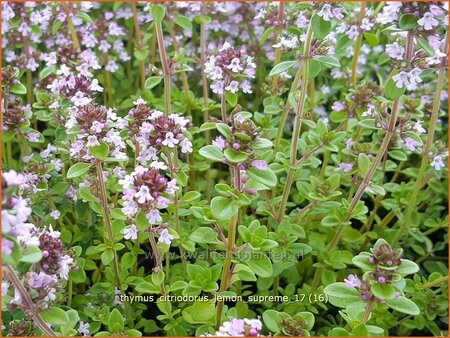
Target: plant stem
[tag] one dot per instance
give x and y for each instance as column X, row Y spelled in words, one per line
column 155, row 249
column 71, row 27
column 184, row 80
column 297, row 124
column 436, row 282
column 209, row 182
column 426, row 150
column 223, row 108
column 361, row 188
column 279, row 31
column 227, row 264
column 165, row 66
column 367, row 312
column 362, row 14
column 226, row 276
column 173, row 167
column 285, row 112
column 107, row 222
column 140, row 43
column 27, row 302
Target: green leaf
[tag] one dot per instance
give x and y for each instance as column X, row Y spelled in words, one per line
column 407, row 21
column 320, row 27
column 261, row 265
column 115, row 321
column 404, row 305
column 398, row 155
column 383, row 291
column 141, row 54
column 152, row 82
column 55, row 316
column 224, row 129
column 407, row 267
column 391, row 90
column 372, row 39
column 223, row 208
column 158, row 12
column 308, row 317
column 32, row 254
column 203, row 19
column 341, row 295
column 329, row 61
column 231, row 98
column 199, row 312
column 85, row 17
column 282, row 67
column 203, row 235
column 190, row 196
column 184, row 22
column 266, row 176
column 235, row 156
column 270, row 320
column 46, row 72
column 265, row 35
column 18, row 89
column 212, row 153
column 315, row 67
column 142, row 222
column 86, row 195
column 262, row 143
column 362, row 262
column 244, row 233
column 78, row 169
column 107, row 256
column 56, row 26
column 363, row 164
column 100, row 152
column 330, row 221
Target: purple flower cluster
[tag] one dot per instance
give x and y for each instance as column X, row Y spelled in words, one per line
column 154, row 132
column 243, row 133
column 148, row 191
column 239, row 328
column 55, row 264
column 230, row 70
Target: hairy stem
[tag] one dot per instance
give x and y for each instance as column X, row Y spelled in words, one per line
column 285, row 112
column 184, row 80
column 165, row 66
column 173, row 167
column 366, row 181
column 11, row 275
column 297, row 124
column 140, row 43
column 358, row 44
column 426, row 150
column 367, row 312
column 209, row 182
column 279, row 31
column 227, row 271
column 107, row 222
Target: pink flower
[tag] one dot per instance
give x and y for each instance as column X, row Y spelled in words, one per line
column 346, row 167
column 411, row 144
column 259, row 164
column 352, row 281
column 428, row 22
column 153, row 216
column 165, row 237
column 219, row 142
column 130, row 232
column 438, row 163
column 338, row 106
column 395, row 51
